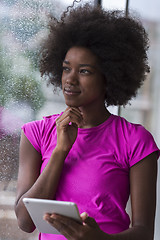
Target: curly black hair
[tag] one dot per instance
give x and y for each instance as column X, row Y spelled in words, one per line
column 119, row 42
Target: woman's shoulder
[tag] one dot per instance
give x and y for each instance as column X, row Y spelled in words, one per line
column 133, row 134
column 37, row 130
column 40, row 127
column 128, row 127
column 50, row 119
column 139, row 141
column 46, row 120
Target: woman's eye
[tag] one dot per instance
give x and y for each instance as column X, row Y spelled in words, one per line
column 65, row 69
column 85, row 71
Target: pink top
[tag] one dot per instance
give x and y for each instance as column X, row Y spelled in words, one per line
column 96, row 171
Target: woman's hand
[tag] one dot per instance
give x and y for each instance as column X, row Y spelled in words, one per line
column 67, row 128
column 89, row 230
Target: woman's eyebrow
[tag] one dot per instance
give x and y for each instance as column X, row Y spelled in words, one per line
column 66, row 62
column 81, row 65
column 87, row 65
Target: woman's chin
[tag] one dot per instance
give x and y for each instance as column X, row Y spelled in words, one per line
column 71, row 104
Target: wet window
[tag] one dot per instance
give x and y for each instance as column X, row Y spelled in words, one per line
column 24, row 96
column 144, row 109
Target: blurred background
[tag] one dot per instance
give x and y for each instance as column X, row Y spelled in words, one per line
column 24, row 96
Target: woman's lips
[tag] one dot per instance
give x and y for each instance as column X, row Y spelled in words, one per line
column 71, row 92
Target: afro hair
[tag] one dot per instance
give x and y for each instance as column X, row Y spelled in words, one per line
column 119, row 42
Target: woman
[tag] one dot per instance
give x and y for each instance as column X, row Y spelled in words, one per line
column 85, row 154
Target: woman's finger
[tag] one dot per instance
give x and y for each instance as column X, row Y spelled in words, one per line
column 77, row 111
column 68, row 222
column 64, row 225
column 63, row 229
column 71, row 112
column 68, row 118
column 91, row 222
column 84, row 216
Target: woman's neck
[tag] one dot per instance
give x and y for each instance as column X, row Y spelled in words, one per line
column 93, row 117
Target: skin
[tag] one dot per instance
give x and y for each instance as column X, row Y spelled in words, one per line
column 83, row 89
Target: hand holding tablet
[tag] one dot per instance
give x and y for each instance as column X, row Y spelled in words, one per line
column 38, row 207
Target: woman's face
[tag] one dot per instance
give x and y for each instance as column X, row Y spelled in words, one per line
column 82, row 82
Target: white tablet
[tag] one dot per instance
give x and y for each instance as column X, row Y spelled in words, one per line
column 38, row 207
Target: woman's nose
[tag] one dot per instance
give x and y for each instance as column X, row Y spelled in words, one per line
column 72, row 78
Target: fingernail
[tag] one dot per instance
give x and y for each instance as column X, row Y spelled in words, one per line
column 84, row 214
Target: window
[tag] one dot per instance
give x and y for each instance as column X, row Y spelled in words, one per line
column 144, row 109
column 25, row 97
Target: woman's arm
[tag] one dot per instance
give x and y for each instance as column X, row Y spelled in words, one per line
column 143, row 177
column 30, row 182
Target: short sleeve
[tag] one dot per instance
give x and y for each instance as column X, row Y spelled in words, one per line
column 32, row 131
column 141, row 144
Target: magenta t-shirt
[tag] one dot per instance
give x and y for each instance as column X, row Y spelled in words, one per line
column 96, row 171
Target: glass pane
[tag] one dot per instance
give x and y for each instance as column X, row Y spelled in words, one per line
column 112, row 5
column 23, row 95
column 146, row 107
